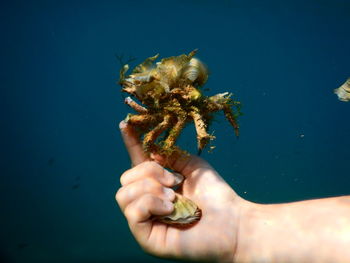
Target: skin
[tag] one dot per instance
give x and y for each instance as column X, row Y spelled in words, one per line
column 231, row 229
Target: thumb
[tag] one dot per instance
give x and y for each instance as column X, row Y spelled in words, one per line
column 132, row 143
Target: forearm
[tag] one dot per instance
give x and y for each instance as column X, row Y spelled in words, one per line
column 307, row 231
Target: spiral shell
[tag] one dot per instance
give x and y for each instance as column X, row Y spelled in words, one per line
column 195, row 71
column 154, row 80
column 169, row 70
column 343, row 91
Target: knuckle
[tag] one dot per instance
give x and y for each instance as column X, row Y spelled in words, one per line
column 124, row 177
column 156, row 171
column 148, row 169
column 148, row 200
column 139, row 207
column 119, row 195
column 144, row 165
column 153, row 186
column 151, row 166
column 134, row 210
column 149, row 184
column 129, row 212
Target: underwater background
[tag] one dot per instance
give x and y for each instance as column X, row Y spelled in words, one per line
column 62, row 154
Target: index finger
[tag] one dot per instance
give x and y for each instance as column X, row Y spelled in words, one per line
column 132, row 144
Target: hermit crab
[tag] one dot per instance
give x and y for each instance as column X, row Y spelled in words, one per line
column 168, row 97
column 171, row 95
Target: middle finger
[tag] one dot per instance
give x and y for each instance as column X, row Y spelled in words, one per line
column 133, row 191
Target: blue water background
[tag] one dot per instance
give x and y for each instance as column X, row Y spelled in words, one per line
column 62, row 154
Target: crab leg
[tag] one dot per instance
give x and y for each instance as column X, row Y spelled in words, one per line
column 231, row 118
column 202, row 136
column 221, row 101
column 137, row 107
column 175, row 131
column 142, row 120
column 150, row 137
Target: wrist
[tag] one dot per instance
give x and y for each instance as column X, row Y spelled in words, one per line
column 250, row 243
column 224, row 244
column 240, row 211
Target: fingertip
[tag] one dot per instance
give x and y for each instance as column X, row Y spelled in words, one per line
column 179, row 178
column 169, row 193
column 122, row 125
column 168, row 178
column 168, row 206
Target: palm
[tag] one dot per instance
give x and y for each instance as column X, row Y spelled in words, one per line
column 207, row 189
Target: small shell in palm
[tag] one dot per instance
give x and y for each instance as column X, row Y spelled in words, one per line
column 185, row 213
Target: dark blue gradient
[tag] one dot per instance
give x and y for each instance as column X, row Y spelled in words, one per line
column 62, row 154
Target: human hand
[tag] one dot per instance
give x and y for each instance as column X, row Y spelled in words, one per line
column 143, row 194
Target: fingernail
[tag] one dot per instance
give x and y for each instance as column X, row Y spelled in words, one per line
column 169, row 193
column 168, row 205
column 179, row 178
column 122, row 125
column 169, row 178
